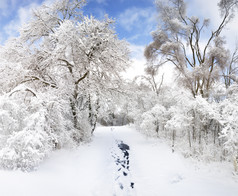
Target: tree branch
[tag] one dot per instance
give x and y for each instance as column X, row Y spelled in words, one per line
column 26, row 89
column 80, row 79
column 32, row 78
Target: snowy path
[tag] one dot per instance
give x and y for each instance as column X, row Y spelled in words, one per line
column 121, row 162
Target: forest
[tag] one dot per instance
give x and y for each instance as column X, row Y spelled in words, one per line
column 63, row 75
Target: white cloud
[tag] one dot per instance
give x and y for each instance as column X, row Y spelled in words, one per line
column 231, row 33
column 139, row 63
column 6, row 6
column 22, row 16
column 1, row 37
column 138, row 18
column 168, row 72
column 137, row 51
column 9, row 6
column 136, row 69
column 3, row 4
column 100, row 13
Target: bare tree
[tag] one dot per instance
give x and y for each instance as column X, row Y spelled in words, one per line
column 151, row 78
column 231, row 71
column 178, row 40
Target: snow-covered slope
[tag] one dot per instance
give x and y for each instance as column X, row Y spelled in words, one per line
column 120, row 161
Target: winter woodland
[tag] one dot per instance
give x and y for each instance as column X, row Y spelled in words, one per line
column 63, row 75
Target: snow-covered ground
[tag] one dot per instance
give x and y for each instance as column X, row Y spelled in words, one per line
column 121, row 162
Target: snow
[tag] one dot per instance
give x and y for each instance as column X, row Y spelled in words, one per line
column 96, row 169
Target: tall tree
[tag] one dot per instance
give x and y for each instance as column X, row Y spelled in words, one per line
column 79, row 58
column 178, row 40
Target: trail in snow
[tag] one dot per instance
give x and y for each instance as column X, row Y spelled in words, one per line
column 123, row 176
column 120, row 162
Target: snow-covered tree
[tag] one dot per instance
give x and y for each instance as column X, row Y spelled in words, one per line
column 55, row 77
column 78, row 57
column 154, row 120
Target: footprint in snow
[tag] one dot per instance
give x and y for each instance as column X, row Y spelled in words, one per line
column 122, row 160
column 175, row 179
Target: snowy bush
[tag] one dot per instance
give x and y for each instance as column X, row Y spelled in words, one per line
column 30, row 130
column 229, row 133
column 11, row 117
column 179, row 125
column 154, row 120
column 190, row 125
column 26, row 148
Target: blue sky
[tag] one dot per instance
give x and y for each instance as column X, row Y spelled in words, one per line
column 135, row 19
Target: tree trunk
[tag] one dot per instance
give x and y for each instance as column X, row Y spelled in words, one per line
column 200, row 135
column 194, row 134
column 189, row 139
column 78, row 136
column 74, row 113
column 194, row 126
column 205, row 129
column 95, row 115
column 235, row 163
column 173, row 139
column 157, row 128
column 215, row 134
column 90, row 112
